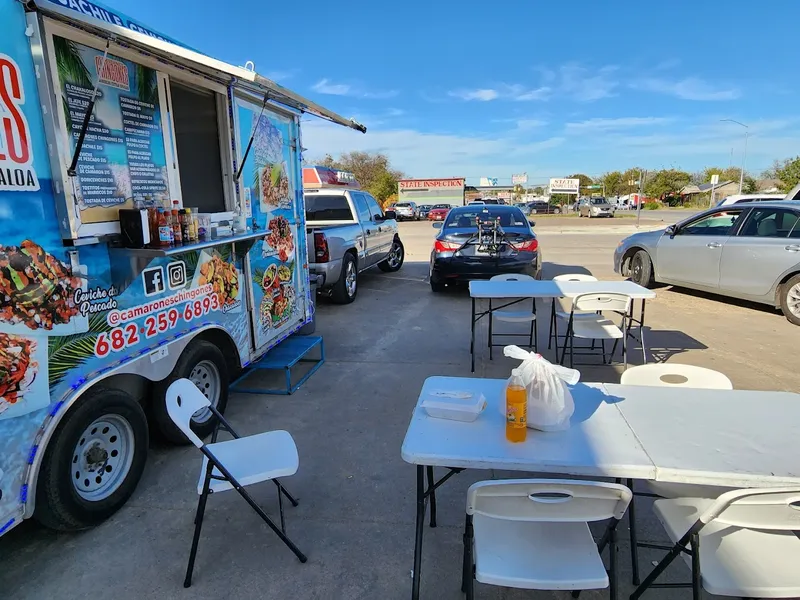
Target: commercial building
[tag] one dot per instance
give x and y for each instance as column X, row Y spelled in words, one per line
column 432, row 191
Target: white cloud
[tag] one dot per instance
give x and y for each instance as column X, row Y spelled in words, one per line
column 690, row 88
column 603, row 125
column 530, row 123
column 483, row 95
column 280, row 75
column 326, row 86
column 585, row 85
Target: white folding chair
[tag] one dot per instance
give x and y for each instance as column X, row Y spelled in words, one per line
column 742, row 544
column 534, row 534
column 670, row 375
column 514, row 316
column 597, row 326
column 233, row 464
column 562, row 311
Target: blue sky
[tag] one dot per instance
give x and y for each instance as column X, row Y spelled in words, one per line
column 549, row 88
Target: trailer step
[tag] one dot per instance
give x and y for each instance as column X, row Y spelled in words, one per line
column 286, row 355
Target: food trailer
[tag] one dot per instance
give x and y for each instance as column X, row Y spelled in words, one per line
column 105, row 298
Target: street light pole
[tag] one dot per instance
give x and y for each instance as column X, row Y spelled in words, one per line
column 744, row 154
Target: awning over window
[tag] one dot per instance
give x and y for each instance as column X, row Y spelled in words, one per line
column 95, row 18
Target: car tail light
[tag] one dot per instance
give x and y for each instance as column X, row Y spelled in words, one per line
column 529, row 245
column 440, row 246
column 321, row 247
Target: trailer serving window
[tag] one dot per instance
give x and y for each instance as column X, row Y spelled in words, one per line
column 197, row 139
column 157, row 133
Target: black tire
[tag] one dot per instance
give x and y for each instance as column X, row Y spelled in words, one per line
column 58, row 502
column 340, row 293
column 198, row 362
column 437, row 284
column 641, row 270
column 790, row 296
column 394, row 263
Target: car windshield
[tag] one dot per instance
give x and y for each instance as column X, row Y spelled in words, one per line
column 465, row 218
column 599, row 201
column 403, row 204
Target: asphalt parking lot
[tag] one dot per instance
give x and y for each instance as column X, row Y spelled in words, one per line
column 356, row 515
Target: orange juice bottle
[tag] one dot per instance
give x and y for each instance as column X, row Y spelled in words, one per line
column 516, row 409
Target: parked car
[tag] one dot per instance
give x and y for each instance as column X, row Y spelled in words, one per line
column 407, row 211
column 749, row 251
column 347, row 233
column 477, row 202
column 463, row 250
column 596, row 207
column 740, row 198
column 424, row 209
column 492, row 201
column 539, row 207
column 439, row 212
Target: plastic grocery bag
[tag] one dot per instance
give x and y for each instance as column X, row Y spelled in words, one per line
column 550, row 403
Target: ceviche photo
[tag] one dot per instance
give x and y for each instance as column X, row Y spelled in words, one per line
column 36, row 288
column 223, row 277
column 274, row 185
column 17, row 368
column 280, row 237
column 265, row 312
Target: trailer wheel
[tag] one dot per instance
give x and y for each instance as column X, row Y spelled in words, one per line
column 204, row 365
column 93, row 462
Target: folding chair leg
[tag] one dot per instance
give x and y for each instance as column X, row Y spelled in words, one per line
column 553, row 326
column 198, row 524
column 469, row 562
column 634, row 537
column 285, row 492
column 660, row 567
column 264, row 517
column 490, row 330
column 612, row 563
column 603, row 350
column 466, row 567
column 696, row 583
column 280, row 508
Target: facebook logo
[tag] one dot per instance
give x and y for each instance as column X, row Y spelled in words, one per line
column 153, row 281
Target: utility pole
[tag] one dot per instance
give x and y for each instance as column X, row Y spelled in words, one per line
column 642, row 176
column 744, row 154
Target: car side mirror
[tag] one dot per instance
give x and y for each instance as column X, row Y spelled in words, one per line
column 437, row 224
column 390, row 214
column 671, row 230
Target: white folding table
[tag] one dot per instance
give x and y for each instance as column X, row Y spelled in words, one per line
column 598, row 444
column 508, row 290
column 713, row 437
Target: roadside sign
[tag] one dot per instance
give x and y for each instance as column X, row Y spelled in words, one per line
column 715, row 179
column 488, row 181
column 519, row 179
column 565, row 186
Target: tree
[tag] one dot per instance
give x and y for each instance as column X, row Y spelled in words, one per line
column 789, row 174
column 633, row 174
column 612, row 182
column 538, row 191
column 372, row 171
column 584, row 179
column 730, row 174
column 666, row 182
column 772, row 172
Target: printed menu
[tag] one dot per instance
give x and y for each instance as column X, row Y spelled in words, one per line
column 123, row 155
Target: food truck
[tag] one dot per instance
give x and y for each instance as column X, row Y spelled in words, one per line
column 151, row 228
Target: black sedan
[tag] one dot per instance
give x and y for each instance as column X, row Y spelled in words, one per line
column 542, row 208
column 424, row 209
column 478, row 242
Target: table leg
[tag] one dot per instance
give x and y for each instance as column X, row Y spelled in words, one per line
column 641, row 333
column 472, row 338
column 490, row 330
column 420, row 526
column 431, row 482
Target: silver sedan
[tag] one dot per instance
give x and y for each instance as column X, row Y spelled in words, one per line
column 748, row 251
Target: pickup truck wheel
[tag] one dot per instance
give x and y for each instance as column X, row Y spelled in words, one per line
column 395, row 259
column 93, row 462
column 345, row 290
column 790, row 300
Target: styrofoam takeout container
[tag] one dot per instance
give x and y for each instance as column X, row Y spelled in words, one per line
column 454, row 405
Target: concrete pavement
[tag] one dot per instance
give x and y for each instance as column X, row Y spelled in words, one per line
column 356, row 516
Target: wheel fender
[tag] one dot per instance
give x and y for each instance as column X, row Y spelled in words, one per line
column 143, row 366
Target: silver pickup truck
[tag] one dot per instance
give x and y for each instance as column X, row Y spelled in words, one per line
column 348, row 232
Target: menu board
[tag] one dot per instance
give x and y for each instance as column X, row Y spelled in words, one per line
column 122, row 156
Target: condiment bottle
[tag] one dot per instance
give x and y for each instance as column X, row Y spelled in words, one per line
column 176, row 225
column 164, row 230
column 516, row 408
column 184, row 224
column 190, row 225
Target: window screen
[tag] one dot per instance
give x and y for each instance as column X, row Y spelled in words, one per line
column 197, row 140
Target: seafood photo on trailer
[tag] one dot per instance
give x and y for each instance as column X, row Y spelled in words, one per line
column 279, row 240
column 38, row 292
column 275, row 187
column 224, row 278
column 23, row 374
